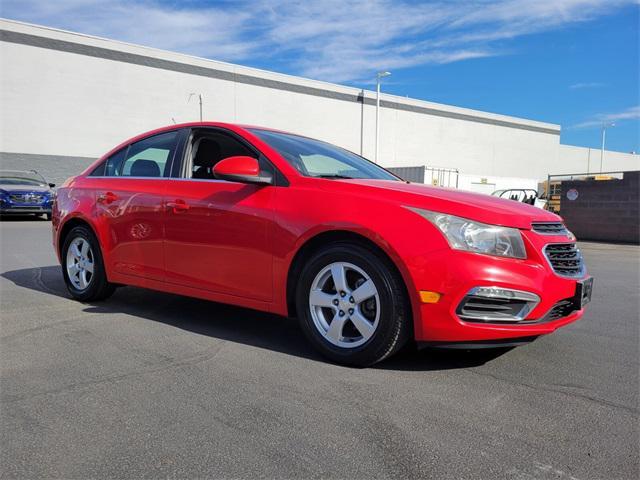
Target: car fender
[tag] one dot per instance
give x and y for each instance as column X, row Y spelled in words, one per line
column 302, row 217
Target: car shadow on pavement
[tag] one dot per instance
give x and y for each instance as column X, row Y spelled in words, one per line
column 22, row 218
column 233, row 324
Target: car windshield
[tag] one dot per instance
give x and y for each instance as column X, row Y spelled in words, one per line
column 17, row 177
column 314, row 158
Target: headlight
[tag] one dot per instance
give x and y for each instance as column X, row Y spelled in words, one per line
column 464, row 234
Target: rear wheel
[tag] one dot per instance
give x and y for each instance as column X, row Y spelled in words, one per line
column 352, row 305
column 83, row 267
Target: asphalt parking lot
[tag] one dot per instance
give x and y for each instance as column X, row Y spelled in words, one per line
column 156, row 385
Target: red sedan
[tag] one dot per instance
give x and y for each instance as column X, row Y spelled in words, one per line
column 286, row 224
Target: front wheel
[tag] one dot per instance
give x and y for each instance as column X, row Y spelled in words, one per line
column 83, row 267
column 352, row 305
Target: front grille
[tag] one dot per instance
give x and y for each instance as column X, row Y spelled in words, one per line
column 565, row 259
column 492, row 304
column 549, row 228
column 26, row 198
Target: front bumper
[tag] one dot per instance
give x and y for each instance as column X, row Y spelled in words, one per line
column 454, row 273
column 24, row 209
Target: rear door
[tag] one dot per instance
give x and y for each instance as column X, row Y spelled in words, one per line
column 217, row 232
column 129, row 202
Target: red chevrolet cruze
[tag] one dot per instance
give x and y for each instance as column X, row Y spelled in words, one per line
column 286, row 224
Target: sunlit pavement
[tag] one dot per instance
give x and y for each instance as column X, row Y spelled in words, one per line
column 154, row 385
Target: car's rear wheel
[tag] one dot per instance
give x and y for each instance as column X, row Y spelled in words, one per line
column 352, row 305
column 83, row 267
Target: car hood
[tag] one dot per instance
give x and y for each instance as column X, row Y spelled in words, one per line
column 23, row 188
column 474, row 206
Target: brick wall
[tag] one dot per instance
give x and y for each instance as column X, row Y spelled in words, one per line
column 605, row 210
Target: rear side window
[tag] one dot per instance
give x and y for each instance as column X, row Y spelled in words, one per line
column 150, row 157
column 108, row 167
column 113, row 162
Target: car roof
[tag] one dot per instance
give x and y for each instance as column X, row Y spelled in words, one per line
column 243, row 126
column 215, row 124
column 178, row 126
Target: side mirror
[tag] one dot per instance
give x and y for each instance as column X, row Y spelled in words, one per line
column 51, row 185
column 241, row 169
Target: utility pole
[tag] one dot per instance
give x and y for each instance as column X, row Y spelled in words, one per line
column 605, row 125
column 379, row 76
column 199, row 100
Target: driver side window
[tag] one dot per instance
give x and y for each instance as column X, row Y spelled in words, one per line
column 208, row 148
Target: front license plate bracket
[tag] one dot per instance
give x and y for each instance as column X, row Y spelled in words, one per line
column 584, row 289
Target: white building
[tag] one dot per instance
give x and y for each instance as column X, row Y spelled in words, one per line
column 66, row 98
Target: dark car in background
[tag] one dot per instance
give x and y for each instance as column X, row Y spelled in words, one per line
column 25, row 192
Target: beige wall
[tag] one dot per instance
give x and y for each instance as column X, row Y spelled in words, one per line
column 587, row 160
column 54, row 102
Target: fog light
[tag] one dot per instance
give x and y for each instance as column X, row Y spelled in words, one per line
column 429, row 297
column 495, row 304
column 506, row 293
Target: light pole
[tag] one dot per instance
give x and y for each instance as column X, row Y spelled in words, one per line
column 379, row 76
column 200, row 100
column 605, row 125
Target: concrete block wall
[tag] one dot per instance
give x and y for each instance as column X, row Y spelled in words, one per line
column 605, row 210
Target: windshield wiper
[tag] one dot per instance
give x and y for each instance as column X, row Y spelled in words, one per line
column 332, row 176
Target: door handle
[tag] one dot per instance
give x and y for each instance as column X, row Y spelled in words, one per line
column 107, row 198
column 178, row 206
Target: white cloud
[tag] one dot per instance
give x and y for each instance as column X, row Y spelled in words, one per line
column 579, row 86
column 632, row 113
column 210, row 32
column 335, row 40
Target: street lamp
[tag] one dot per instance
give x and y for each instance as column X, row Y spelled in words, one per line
column 200, row 100
column 379, row 76
column 605, row 125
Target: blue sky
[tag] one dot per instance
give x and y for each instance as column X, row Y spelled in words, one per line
column 571, row 62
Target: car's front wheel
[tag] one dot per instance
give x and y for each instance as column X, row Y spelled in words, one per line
column 352, row 305
column 83, row 267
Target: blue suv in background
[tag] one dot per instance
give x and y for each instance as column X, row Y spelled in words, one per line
column 24, row 193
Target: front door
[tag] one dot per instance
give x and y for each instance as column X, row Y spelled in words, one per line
column 218, row 233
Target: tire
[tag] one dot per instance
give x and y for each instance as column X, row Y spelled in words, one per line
column 387, row 312
column 47, row 216
column 88, row 288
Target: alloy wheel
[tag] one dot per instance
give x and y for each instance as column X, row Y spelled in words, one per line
column 80, row 263
column 344, row 305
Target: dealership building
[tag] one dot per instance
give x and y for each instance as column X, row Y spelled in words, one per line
column 66, row 98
